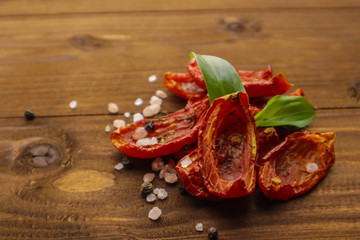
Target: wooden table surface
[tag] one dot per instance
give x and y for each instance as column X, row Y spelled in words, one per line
column 96, row 52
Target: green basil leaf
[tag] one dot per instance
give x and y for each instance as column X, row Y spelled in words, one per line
column 220, row 76
column 280, row 110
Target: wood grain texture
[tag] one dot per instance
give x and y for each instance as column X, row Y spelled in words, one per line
column 57, row 176
column 21, row 7
column 32, row 203
column 46, row 61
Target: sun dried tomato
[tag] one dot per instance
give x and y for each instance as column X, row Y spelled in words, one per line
column 275, row 85
column 256, row 84
column 182, row 85
column 296, row 165
column 227, row 144
column 267, row 138
column 172, row 132
column 190, row 174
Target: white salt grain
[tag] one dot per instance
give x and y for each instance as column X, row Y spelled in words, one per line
column 311, row 167
column 157, row 165
column 108, row 128
column 127, row 114
column 155, row 100
column 151, row 110
column 161, row 94
column 199, row 227
column 156, row 191
column 138, row 102
column 170, row 178
column 168, row 168
column 152, row 78
column 151, row 198
column 113, row 108
column 73, row 104
column 118, row 123
column 119, row 166
column 186, row 161
column 155, row 213
column 162, row 194
column 139, row 133
column 138, row 117
column 146, row 141
column 148, row 177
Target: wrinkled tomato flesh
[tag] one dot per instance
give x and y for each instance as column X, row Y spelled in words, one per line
column 173, row 132
column 227, row 144
column 296, row 165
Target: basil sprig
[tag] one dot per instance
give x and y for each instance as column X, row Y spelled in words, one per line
column 220, row 76
column 221, row 79
column 281, row 110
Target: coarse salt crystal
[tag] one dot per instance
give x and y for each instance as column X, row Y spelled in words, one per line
column 119, row 166
column 155, row 213
column 139, row 133
column 162, row 194
column 155, row 100
column 186, row 161
column 113, row 108
column 199, row 227
column 138, row 102
column 146, row 141
column 118, row 123
column 138, row 117
column 73, row 104
column 168, row 168
column 151, row 198
column 108, row 128
column 156, row 191
column 151, row 110
column 312, row 167
column 148, row 177
column 152, row 78
column 170, row 178
column 157, row 164
column 161, row 93
column 127, row 114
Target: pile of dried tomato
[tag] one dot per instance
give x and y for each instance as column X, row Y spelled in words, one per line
column 229, row 154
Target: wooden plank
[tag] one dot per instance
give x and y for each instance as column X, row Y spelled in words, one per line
column 21, row 7
column 35, row 203
column 48, row 61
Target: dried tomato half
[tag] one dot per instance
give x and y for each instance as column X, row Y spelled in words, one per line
column 167, row 135
column 296, row 165
column 275, row 85
column 190, row 174
column 227, row 143
column 256, row 84
column 182, row 85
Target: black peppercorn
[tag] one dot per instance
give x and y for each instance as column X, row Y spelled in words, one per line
column 146, row 188
column 29, row 115
column 149, row 126
column 213, row 233
column 126, row 162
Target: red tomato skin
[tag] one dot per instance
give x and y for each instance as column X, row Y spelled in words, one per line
column 174, row 81
column 283, row 171
column 191, row 177
column 275, row 85
column 183, row 132
column 229, row 174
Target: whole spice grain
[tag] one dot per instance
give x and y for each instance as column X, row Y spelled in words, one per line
column 146, row 188
column 29, row 115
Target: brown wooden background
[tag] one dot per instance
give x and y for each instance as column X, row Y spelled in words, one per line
column 96, row 52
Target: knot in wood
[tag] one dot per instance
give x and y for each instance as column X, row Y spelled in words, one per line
column 354, row 90
column 238, row 24
column 86, row 42
column 41, row 155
